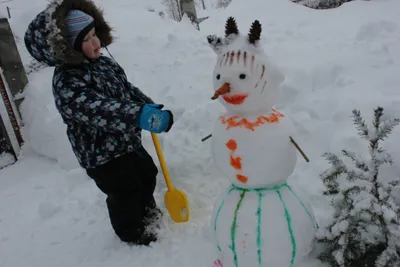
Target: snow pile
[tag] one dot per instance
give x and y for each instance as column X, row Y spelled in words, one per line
column 44, row 128
column 334, row 61
column 6, row 159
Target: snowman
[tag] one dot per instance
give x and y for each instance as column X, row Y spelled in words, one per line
column 260, row 220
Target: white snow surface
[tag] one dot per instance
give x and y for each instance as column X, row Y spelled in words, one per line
column 6, row 159
column 336, row 60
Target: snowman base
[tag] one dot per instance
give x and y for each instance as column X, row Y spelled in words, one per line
column 256, row 227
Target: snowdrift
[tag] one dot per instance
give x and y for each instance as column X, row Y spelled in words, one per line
column 333, row 60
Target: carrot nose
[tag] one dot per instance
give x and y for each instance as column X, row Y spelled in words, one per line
column 224, row 89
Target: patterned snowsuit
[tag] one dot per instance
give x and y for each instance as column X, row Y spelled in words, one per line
column 101, row 109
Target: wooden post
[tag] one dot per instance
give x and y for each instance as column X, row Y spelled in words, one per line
column 8, row 147
column 10, row 111
column 10, row 61
column 188, row 7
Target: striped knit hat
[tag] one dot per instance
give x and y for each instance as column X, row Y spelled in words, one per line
column 78, row 25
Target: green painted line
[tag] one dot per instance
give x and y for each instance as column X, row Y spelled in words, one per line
column 233, row 229
column 260, row 196
column 304, row 206
column 217, row 216
column 273, row 188
column 289, row 223
column 259, row 221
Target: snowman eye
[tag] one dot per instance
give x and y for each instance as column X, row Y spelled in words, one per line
column 242, row 76
column 218, row 76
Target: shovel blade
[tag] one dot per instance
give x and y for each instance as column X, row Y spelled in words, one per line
column 177, row 205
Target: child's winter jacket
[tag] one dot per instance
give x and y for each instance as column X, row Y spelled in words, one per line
column 96, row 101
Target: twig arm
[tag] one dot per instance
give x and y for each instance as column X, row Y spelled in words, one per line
column 299, row 149
column 207, row 137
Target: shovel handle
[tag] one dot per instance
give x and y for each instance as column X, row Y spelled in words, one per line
column 162, row 161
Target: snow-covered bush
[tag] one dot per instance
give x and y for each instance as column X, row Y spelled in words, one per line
column 364, row 230
column 222, row 3
column 321, row 4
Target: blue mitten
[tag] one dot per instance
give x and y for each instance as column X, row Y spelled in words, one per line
column 154, row 119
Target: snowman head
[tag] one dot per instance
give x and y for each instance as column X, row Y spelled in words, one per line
column 245, row 81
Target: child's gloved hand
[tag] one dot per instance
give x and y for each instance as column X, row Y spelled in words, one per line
column 154, row 119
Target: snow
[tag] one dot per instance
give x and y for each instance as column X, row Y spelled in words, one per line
column 6, row 159
column 53, row 215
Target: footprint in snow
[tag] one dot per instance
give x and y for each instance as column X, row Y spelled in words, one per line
column 48, row 210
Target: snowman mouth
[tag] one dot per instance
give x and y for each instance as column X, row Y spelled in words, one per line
column 236, row 99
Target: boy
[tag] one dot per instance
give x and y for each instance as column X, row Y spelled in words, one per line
column 103, row 111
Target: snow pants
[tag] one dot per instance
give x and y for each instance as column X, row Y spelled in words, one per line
column 129, row 182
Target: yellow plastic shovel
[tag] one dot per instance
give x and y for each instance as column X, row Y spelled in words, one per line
column 175, row 200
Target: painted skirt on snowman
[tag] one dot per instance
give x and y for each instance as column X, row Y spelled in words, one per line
column 263, row 227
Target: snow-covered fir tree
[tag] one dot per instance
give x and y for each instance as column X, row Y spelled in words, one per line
column 364, row 230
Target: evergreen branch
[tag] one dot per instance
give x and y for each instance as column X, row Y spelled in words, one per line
column 361, row 126
column 330, row 176
column 332, row 158
column 378, row 112
column 330, row 180
column 354, row 190
column 385, row 158
column 386, row 128
column 347, row 200
column 391, row 205
column 353, row 175
column 379, row 157
column 390, row 257
column 374, row 144
column 366, row 215
column 395, row 183
column 357, row 161
column 384, row 192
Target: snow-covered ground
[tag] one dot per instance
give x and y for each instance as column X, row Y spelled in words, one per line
column 51, row 213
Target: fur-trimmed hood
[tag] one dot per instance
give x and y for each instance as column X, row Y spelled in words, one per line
column 45, row 38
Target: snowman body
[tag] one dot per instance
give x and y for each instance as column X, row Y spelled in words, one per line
column 260, row 220
column 257, row 224
column 245, row 152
